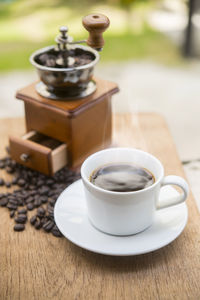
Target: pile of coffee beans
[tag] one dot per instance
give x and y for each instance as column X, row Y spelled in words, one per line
column 33, row 192
column 56, row 59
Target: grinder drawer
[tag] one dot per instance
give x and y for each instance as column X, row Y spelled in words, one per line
column 39, row 152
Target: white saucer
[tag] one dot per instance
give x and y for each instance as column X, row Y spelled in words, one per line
column 71, row 218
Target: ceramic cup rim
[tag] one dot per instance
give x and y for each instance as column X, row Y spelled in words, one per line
column 99, row 189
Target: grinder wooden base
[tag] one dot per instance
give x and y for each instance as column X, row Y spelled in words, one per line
column 80, row 127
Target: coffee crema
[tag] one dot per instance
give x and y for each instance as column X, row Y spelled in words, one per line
column 122, row 177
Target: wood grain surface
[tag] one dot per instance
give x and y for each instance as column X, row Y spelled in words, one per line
column 35, row 265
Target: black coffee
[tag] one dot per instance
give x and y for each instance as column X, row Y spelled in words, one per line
column 122, row 177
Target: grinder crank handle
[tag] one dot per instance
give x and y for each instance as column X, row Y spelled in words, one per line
column 95, row 24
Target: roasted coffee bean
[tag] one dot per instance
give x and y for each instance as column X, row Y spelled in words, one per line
column 12, row 213
column 32, row 187
column 14, row 181
column 1, row 182
column 9, row 170
column 13, row 201
column 26, row 186
column 21, row 182
column 48, row 226
column 29, row 200
column 51, row 201
column 19, row 227
column 51, row 63
column 50, row 216
column 38, row 224
column 43, row 220
column 21, row 219
column 3, row 201
column 20, row 202
column 51, row 193
column 11, row 197
column 8, row 184
column 56, row 232
column 43, row 58
column 37, row 202
column 55, row 197
column 19, row 196
column 54, row 187
column 24, row 194
column 13, row 164
column 30, row 173
column 44, row 199
column 33, row 220
column 22, row 211
column 11, row 206
column 29, row 194
column 17, row 192
column 33, row 180
column 49, row 208
column 40, row 212
column 40, row 183
column 30, row 206
column 2, row 165
column 2, row 195
column 7, row 195
column 32, row 193
column 44, row 190
column 49, row 182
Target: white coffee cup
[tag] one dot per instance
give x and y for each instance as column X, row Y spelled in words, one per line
column 126, row 213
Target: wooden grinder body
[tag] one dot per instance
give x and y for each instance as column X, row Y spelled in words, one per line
column 77, row 127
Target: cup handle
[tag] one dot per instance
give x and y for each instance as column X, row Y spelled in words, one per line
column 174, row 180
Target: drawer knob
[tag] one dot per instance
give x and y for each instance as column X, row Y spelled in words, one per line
column 24, row 157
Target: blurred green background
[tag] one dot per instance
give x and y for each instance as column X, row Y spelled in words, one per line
column 27, row 25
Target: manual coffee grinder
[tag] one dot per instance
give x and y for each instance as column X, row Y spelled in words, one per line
column 68, row 112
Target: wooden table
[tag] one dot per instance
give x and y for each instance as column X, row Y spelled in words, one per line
column 35, row 265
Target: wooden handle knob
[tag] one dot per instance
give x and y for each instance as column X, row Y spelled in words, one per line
column 95, row 24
